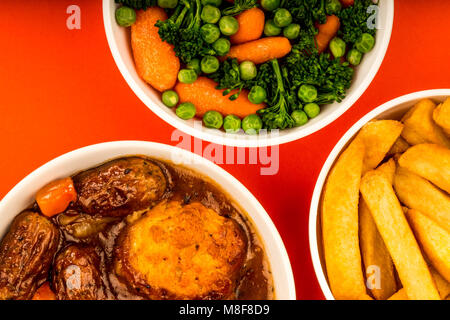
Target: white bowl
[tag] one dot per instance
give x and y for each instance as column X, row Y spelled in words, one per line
column 393, row 109
column 22, row 195
column 119, row 43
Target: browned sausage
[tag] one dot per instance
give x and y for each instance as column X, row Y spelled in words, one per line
column 120, row 187
column 76, row 274
column 26, row 253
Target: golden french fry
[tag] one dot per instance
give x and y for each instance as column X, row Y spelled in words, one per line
column 399, row 295
column 400, row 146
column 435, row 241
column 441, row 115
column 417, row 193
column 442, row 285
column 378, row 137
column 340, row 225
column 420, row 127
column 430, row 161
column 398, row 237
column 388, row 168
column 376, row 257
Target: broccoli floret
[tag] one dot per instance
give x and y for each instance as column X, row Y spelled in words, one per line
column 354, row 21
column 307, row 13
column 138, row 4
column 277, row 115
column 238, row 7
column 331, row 77
column 182, row 30
column 228, row 78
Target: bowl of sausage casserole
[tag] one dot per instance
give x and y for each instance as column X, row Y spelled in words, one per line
column 122, row 220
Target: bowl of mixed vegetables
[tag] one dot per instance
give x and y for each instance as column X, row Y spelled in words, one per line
column 251, row 72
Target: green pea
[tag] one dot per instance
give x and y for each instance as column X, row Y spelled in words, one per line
column 354, row 57
column 270, row 5
column 212, row 119
column 307, row 93
column 222, row 46
column 252, row 124
column 210, row 14
column 300, row 117
column 257, row 95
column 125, row 16
column 291, row 31
column 312, row 110
column 194, row 64
column 271, row 29
column 215, row 3
column 228, row 25
column 231, row 123
column 210, row 32
column 185, row 111
column 337, row 47
column 209, row 64
column 247, row 70
column 167, row 4
column 365, row 43
column 282, row 18
column 170, row 98
column 187, row 76
column 333, row 6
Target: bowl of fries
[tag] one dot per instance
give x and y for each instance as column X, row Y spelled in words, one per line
column 379, row 224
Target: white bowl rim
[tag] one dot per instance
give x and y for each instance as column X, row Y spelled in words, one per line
column 224, row 175
column 229, row 139
column 315, row 200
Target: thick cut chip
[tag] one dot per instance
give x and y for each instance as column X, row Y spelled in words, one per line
column 442, row 285
column 388, row 168
column 378, row 137
column 435, row 241
column 400, row 146
column 441, row 115
column 430, row 161
column 340, row 224
column 386, row 210
column 417, row 193
column 376, row 257
column 420, row 127
column 399, row 295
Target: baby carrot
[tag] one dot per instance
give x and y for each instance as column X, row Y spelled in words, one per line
column 261, row 50
column 56, row 196
column 251, row 26
column 155, row 59
column 44, row 293
column 326, row 32
column 204, row 95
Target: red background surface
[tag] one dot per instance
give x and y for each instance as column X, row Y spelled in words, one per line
column 60, row 90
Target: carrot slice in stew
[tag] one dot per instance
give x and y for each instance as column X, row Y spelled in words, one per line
column 56, row 196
